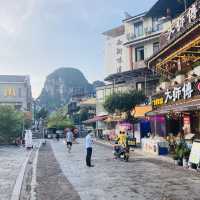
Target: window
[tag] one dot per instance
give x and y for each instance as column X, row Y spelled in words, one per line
column 139, row 54
column 139, row 86
column 138, row 29
column 156, row 26
column 156, row 47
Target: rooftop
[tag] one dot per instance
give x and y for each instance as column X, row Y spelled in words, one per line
column 13, row 78
column 115, row 32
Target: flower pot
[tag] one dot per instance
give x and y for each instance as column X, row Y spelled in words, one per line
column 176, row 162
column 185, row 163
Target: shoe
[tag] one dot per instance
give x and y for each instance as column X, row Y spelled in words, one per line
column 91, row 166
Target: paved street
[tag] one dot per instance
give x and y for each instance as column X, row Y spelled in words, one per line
column 140, row 179
column 11, row 160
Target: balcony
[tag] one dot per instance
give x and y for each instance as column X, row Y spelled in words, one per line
column 148, row 32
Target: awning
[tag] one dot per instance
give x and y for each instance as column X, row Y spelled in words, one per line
column 95, row 119
column 140, row 111
column 181, row 107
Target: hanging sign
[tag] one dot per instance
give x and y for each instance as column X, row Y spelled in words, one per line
column 189, row 17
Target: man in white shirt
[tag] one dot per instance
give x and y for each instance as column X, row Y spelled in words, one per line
column 88, row 145
column 69, row 139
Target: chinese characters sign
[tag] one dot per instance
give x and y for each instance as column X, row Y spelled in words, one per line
column 184, row 92
column 190, row 16
column 177, row 93
column 119, row 54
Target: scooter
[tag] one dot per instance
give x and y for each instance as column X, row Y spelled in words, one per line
column 121, row 152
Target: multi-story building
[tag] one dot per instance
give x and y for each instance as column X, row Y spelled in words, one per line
column 127, row 47
column 16, row 91
column 176, row 105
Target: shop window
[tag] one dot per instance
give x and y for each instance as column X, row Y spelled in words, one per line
column 139, row 54
column 156, row 47
column 138, row 29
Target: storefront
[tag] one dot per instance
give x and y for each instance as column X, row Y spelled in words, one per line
column 176, row 109
column 176, row 104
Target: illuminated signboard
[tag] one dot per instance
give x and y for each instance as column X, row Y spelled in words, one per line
column 184, row 92
column 9, row 92
column 190, row 16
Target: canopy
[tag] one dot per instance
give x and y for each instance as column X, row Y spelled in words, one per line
column 95, row 119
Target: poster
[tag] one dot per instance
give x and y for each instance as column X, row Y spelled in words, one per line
column 195, row 153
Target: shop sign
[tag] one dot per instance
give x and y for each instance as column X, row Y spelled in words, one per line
column 178, row 93
column 190, row 16
column 184, row 92
column 158, row 101
column 9, row 92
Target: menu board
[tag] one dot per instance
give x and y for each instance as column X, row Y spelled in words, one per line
column 195, row 152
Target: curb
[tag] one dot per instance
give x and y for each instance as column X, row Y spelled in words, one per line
column 34, row 178
column 19, row 181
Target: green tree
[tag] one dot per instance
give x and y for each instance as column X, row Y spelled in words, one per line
column 123, row 102
column 42, row 113
column 11, row 124
column 59, row 121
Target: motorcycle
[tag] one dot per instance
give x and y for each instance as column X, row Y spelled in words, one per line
column 121, row 152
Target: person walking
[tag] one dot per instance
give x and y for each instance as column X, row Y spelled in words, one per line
column 69, row 139
column 88, row 145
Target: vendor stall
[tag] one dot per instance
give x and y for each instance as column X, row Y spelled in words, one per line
column 155, row 145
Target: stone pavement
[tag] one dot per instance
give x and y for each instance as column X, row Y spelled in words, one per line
column 140, row 179
column 11, row 161
column 137, row 151
column 51, row 182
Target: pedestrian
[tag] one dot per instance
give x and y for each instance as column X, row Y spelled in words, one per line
column 69, row 139
column 88, row 145
column 57, row 136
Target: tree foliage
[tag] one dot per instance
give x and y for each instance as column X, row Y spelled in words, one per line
column 42, row 113
column 123, row 101
column 11, row 124
column 59, row 121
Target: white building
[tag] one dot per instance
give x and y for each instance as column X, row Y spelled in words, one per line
column 16, row 91
column 115, row 53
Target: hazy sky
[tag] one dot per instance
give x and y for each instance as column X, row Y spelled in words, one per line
column 39, row 36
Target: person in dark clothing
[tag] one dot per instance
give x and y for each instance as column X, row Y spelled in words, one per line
column 88, row 145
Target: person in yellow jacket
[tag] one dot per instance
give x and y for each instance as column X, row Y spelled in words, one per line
column 122, row 139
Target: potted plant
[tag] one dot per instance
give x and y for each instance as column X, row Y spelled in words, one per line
column 186, row 155
column 175, row 157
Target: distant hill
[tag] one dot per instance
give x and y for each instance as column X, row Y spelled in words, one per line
column 63, row 84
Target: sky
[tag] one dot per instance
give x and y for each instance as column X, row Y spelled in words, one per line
column 39, row 36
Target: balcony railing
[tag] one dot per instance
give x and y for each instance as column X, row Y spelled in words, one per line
column 147, row 32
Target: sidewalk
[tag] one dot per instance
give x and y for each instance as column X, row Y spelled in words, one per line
column 11, row 162
column 138, row 151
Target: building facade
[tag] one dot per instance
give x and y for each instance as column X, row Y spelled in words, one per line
column 177, row 100
column 16, row 91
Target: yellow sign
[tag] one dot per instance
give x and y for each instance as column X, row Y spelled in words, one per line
column 158, row 102
column 9, row 92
